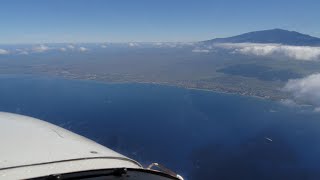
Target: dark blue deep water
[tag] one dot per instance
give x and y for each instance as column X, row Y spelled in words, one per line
column 199, row 134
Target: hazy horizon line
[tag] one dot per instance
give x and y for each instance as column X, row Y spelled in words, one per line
column 120, row 42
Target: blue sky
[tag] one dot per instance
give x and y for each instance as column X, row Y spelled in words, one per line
column 46, row 21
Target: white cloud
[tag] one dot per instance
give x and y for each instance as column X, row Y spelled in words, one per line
column 288, row 102
column 70, row 46
column 83, row 49
column 158, row 44
column 294, row 52
column 133, row 44
column 171, row 45
column 187, row 43
column 3, row 51
column 200, row 50
column 40, row 48
column 178, row 44
column 305, row 89
column 22, row 51
column 103, row 46
column 167, row 44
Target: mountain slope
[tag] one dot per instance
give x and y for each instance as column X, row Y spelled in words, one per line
column 278, row 36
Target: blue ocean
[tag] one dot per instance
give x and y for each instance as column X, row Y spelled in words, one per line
column 199, row 134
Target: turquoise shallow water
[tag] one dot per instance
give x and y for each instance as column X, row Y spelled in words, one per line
column 200, row 134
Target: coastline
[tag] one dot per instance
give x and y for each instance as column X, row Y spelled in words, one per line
column 165, row 84
column 135, row 82
column 99, row 81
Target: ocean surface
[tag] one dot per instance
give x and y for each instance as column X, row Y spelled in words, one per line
column 199, row 134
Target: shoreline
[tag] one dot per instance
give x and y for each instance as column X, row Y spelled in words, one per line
column 140, row 82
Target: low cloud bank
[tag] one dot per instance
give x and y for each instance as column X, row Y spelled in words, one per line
column 83, row 49
column 45, row 48
column 40, row 48
column 200, row 50
column 70, row 46
column 306, row 89
column 307, row 53
column 133, row 44
column 3, row 51
column 172, row 44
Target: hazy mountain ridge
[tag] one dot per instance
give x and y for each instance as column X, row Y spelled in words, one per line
column 277, row 36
